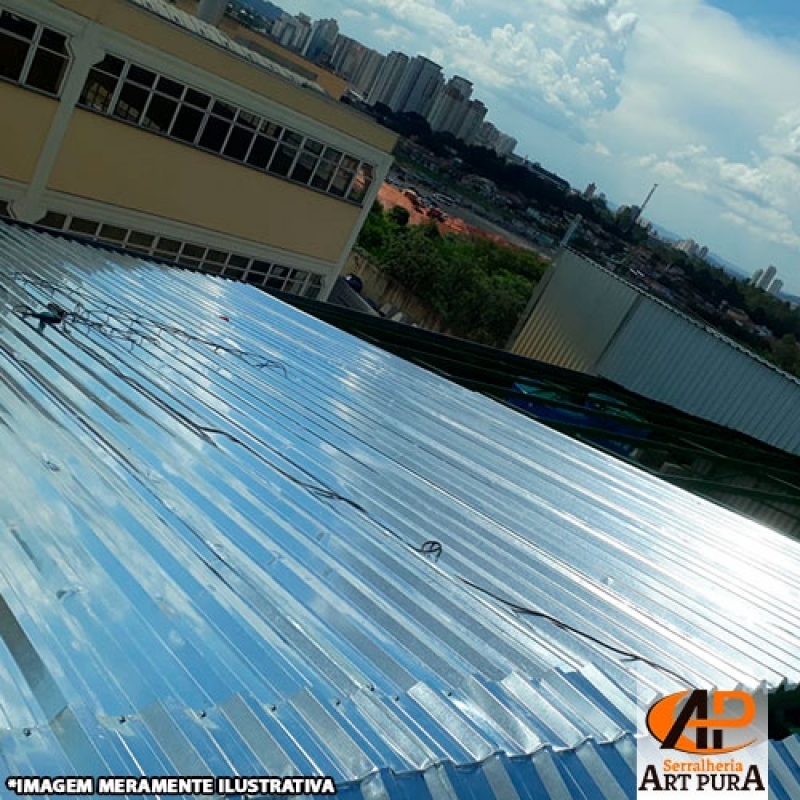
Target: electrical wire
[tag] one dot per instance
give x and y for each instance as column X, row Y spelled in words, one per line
column 118, row 322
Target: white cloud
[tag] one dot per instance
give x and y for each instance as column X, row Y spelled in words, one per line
column 673, row 91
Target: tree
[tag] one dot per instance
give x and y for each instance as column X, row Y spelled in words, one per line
column 399, row 216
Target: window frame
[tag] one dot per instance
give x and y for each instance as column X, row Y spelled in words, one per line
column 34, row 45
column 264, row 131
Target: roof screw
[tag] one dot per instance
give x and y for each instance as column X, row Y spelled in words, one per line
column 26, row 732
column 202, row 715
column 337, row 702
column 273, row 708
column 123, row 719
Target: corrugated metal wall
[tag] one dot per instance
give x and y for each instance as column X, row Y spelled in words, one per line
column 576, row 315
column 661, row 355
column 579, row 322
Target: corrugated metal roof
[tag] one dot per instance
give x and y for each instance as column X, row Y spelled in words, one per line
column 211, row 561
column 214, row 35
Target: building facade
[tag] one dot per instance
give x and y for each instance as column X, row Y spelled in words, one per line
column 322, row 40
column 418, row 86
column 388, row 78
column 472, row 121
column 367, row 72
column 450, row 106
column 141, row 126
column 767, row 277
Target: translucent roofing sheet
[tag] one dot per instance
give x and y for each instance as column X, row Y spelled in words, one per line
column 214, row 559
column 214, row 35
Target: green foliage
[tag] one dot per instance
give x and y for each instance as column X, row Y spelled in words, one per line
column 479, row 287
column 400, row 216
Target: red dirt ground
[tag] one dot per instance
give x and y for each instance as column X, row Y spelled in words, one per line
column 390, row 196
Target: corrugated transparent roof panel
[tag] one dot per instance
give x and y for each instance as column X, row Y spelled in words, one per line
column 214, row 561
column 215, row 36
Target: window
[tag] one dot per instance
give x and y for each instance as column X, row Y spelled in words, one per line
column 361, row 184
column 143, row 241
column 237, row 266
column 313, row 287
column 112, row 233
column 101, row 84
column 141, row 97
column 49, row 62
column 277, row 278
column 31, row 54
column 131, row 102
column 264, row 145
column 160, row 113
column 187, row 124
column 216, row 257
column 167, row 247
column 344, row 175
column 284, row 156
column 241, row 136
column 53, row 220
column 214, row 134
column 306, row 161
column 85, row 227
column 326, row 169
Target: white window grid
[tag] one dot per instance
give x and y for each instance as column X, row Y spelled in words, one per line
column 35, row 46
column 230, row 132
column 265, row 274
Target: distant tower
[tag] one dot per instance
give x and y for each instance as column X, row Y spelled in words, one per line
column 766, row 278
column 776, row 286
column 757, row 277
column 589, row 191
column 640, row 210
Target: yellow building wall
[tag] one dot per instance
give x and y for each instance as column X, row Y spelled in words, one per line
column 150, row 29
column 115, row 163
column 25, row 119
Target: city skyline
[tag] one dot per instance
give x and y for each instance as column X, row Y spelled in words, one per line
column 622, row 93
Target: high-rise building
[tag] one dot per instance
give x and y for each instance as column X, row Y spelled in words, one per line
column 292, row 32
column 450, row 106
column 346, row 56
column 472, row 121
column 766, row 278
column 588, row 192
column 505, row 145
column 388, row 79
column 418, row 86
column 776, row 286
column 321, row 40
column 757, row 275
column 486, row 136
column 161, row 137
column 367, row 71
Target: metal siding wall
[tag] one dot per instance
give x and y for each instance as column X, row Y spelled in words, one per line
column 664, row 356
column 577, row 315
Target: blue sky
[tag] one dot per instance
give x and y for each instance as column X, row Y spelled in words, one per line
column 702, row 98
